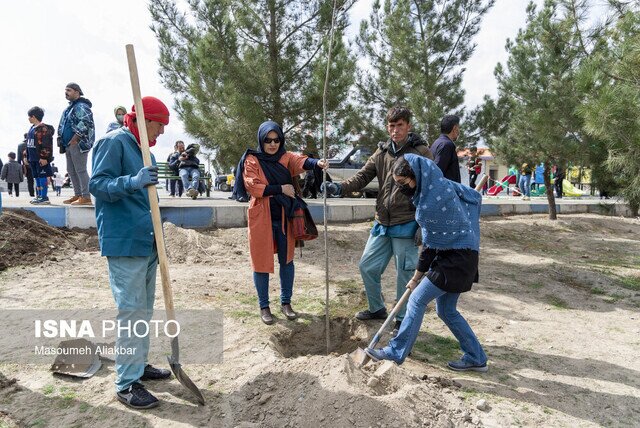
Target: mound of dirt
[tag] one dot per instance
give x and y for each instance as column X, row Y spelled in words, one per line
column 26, row 239
column 332, row 391
column 196, row 246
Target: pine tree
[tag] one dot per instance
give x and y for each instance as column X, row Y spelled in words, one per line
column 416, row 52
column 539, row 88
column 233, row 64
column 611, row 81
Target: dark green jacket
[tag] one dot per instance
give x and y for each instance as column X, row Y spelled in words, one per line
column 392, row 207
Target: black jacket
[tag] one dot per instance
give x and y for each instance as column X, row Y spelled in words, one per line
column 446, row 157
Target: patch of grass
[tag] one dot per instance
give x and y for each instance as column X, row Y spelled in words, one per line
column 630, row 282
column 346, row 287
column 67, row 397
column 469, row 393
column 556, row 302
column 48, row 389
column 38, row 423
column 83, row 407
column 614, row 297
column 240, row 314
column 310, row 305
column 548, row 411
column 439, row 349
column 536, row 285
column 247, row 299
column 597, row 291
column 503, row 378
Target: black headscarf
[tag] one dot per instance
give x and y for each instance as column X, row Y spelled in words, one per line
column 275, row 172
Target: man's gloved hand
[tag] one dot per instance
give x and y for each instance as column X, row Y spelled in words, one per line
column 147, row 176
column 333, row 189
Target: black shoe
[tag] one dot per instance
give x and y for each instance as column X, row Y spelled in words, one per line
column 137, row 397
column 380, row 314
column 265, row 315
column 288, row 312
column 396, row 328
column 152, row 373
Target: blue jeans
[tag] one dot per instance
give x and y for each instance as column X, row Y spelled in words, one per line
column 133, row 285
column 287, row 271
column 190, row 177
column 374, row 261
column 525, row 185
column 400, row 346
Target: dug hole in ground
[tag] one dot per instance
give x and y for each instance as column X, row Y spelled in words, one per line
column 556, row 310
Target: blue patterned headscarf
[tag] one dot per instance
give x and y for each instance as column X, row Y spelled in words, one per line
column 448, row 212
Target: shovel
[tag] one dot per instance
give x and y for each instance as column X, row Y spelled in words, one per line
column 359, row 356
column 174, row 359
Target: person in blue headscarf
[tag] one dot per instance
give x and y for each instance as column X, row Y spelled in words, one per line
column 267, row 174
column 449, row 215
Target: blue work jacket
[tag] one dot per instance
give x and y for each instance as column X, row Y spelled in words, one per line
column 122, row 213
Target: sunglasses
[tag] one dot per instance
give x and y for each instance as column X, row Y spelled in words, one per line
column 272, row 141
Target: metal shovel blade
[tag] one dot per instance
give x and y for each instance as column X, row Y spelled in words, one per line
column 182, row 377
column 359, row 357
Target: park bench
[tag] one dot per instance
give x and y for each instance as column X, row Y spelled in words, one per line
column 164, row 172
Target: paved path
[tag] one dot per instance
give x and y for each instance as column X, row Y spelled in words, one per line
column 219, row 211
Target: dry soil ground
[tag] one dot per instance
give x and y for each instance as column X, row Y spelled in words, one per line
column 557, row 310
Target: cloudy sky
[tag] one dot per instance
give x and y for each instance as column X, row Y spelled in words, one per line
column 47, row 44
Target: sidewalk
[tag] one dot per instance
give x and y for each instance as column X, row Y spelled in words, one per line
column 219, row 211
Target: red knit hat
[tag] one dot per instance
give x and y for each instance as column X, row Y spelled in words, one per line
column 154, row 110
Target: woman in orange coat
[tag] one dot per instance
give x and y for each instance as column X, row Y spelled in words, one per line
column 267, row 174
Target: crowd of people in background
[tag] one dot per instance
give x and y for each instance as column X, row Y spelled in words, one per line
column 33, row 160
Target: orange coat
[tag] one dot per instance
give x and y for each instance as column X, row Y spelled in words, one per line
column 261, row 245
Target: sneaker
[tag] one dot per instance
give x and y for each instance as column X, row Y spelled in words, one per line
column 137, row 397
column 462, row 366
column 35, row 200
column 375, row 354
column 396, row 328
column 380, row 314
column 42, row 201
column 192, row 193
column 153, row 373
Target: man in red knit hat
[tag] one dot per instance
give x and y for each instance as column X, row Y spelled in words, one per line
column 125, row 230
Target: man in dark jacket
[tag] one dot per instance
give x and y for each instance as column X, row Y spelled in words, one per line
column 11, row 172
column 76, row 135
column 40, row 153
column 26, row 169
column 175, row 185
column 395, row 226
column 189, row 167
column 444, row 150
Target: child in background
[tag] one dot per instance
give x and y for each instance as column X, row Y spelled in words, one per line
column 12, row 174
column 58, row 181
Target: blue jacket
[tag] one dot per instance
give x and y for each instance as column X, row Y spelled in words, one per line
column 123, row 215
column 77, row 118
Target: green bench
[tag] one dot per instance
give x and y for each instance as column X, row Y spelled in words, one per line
column 164, row 172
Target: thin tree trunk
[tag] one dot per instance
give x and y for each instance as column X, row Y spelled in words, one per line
column 273, row 63
column 551, row 199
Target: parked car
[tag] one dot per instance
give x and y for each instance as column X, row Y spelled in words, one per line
column 347, row 163
column 224, row 182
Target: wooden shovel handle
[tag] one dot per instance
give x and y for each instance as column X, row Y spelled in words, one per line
column 152, row 190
